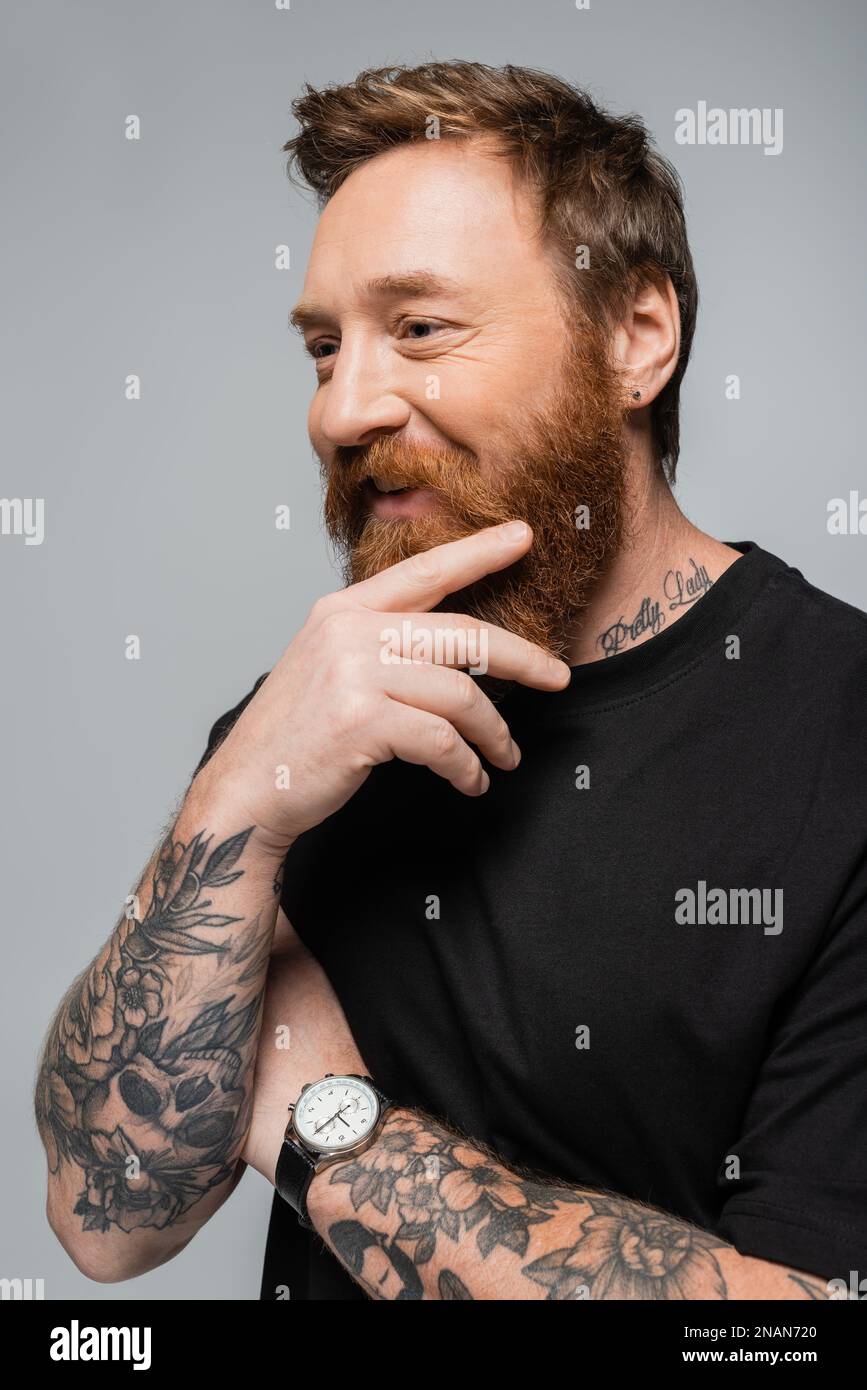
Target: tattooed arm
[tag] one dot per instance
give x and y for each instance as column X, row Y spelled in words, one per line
column 428, row 1214
column 144, row 1093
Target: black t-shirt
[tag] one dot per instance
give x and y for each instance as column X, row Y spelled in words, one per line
column 549, row 968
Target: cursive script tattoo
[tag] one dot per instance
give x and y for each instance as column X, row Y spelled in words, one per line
column 422, row 1190
column 682, row 591
column 679, row 591
column 649, row 618
column 141, row 1082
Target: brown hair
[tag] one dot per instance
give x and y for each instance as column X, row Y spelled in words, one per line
column 598, row 179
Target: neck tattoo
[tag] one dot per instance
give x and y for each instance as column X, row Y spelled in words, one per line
column 679, row 590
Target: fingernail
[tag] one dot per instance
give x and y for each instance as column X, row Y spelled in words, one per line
column 515, row 530
column 516, row 753
column 486, row 781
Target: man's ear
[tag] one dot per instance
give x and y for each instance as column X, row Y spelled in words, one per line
column 646, row 341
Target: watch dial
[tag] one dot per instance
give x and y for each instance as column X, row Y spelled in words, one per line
column 336, row 1113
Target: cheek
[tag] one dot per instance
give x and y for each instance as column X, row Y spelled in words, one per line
column 480, row 391
column 468, row 403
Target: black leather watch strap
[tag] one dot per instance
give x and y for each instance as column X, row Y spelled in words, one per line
column 296, row 1165
column 295, row 1169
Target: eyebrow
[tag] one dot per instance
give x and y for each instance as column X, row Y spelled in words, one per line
column 411, row 284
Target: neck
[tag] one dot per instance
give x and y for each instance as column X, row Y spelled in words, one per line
column 663, row 568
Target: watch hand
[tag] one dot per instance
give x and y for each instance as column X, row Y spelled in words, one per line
column 338, row 1115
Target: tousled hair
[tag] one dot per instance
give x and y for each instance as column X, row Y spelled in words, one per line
column 598, row 180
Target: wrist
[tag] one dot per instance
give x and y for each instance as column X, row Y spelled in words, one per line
column 211, row 801
column 329, row 1194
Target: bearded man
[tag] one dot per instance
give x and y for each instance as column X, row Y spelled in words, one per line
column 530, row 884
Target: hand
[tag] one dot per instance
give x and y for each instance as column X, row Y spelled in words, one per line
column 298, row 998
column 332, row 708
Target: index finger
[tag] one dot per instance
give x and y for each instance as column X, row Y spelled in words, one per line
column 424, row 580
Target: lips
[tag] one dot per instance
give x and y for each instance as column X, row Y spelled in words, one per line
column 388, row 497
column 388, row 486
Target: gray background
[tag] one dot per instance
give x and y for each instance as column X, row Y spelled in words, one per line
column 157, row 257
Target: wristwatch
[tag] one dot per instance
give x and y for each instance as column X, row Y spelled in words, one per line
column 331, row 1119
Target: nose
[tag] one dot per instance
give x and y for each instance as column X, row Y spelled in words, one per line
column 360, row 402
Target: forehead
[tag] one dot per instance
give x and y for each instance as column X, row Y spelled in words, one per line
column 447, row 205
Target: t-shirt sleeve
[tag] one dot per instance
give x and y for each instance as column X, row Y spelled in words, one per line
column 801, row 1198
column 222, row 726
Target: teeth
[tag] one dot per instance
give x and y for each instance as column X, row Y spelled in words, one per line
column 385, row 485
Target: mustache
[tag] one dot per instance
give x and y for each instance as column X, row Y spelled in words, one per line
column 407, row 462
column 450, row 473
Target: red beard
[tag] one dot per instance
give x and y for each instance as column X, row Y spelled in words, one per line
column 552, row 465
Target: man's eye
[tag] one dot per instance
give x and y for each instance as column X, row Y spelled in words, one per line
column 318, row 351
column 419, row 329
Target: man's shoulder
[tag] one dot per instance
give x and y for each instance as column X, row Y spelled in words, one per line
column 816, row 630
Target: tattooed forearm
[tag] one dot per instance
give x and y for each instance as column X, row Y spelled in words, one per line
column 146, row 1077
column 811, row 1287
column 450, row 1286
column 428, row 1214
column 679, row 590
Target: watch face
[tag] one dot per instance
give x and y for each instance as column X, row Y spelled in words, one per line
column 335, row 1114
